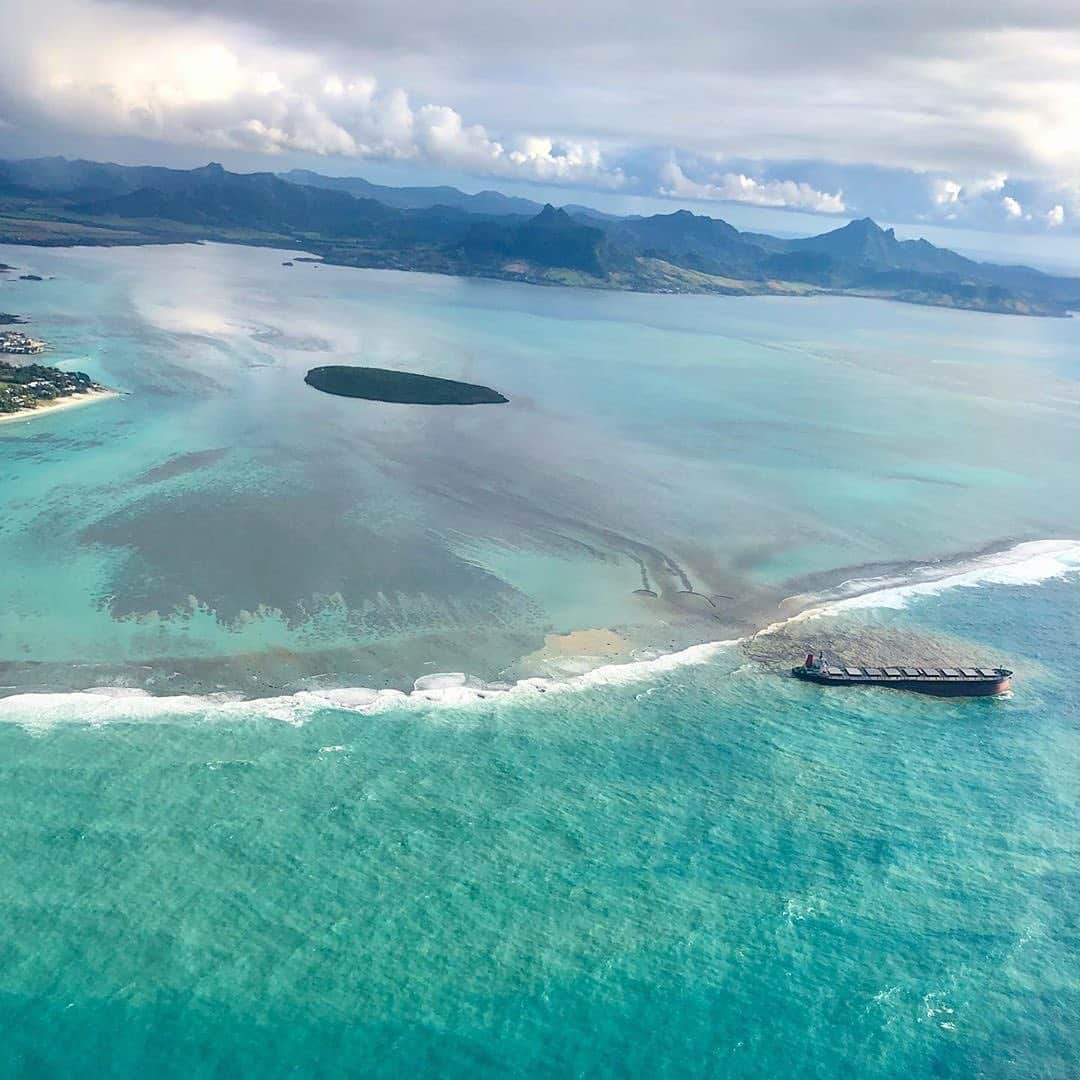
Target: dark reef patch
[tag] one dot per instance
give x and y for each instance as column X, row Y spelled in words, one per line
column 298, row 552
column 402, row 387
column 181, row 465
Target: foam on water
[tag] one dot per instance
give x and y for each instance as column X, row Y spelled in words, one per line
column 39, row 712
column 1028, row 563
column 1024, row 564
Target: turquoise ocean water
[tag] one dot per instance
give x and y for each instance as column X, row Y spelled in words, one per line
column 224, row 853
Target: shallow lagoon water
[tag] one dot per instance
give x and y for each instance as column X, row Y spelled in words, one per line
column 688, row 866
column 224, row 526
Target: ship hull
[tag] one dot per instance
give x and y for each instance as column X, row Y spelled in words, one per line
column 938, row 687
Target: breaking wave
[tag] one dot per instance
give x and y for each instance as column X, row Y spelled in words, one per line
column 1024, row 564
column 104, row 704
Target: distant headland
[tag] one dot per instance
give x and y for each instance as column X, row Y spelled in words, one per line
column 33, row 388
column 401, row 387
column 348, row 222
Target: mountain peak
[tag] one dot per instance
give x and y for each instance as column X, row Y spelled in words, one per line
column 548, row 212
column 552, row 216
column 866, row 226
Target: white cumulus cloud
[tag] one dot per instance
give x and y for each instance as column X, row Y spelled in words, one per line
column 919, row 110
column 737, row 187
column 948, row 192
column 945, row 192
column 986, row 186
column 1011, row 207
column 1055, row 216
column 440, row 135
column 201, row 83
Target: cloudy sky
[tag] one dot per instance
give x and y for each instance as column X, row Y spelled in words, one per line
column 964, row 114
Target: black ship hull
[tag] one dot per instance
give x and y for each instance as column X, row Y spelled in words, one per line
column 941, row 682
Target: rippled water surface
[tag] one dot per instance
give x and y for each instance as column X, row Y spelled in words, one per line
column 712, row 871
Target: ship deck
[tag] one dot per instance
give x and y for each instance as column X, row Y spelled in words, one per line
column 878, row 674
column 942, row 681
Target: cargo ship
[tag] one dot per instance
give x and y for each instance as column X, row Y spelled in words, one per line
column 943, row 681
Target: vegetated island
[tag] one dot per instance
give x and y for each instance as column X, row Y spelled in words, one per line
column 401, row 387
column 349, row 222
column 27, row 388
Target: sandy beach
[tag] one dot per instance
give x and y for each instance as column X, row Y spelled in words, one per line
column 586, row 643
column 49, row 407
column 575, row 652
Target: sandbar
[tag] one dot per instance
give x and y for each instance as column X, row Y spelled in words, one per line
column 586, row 643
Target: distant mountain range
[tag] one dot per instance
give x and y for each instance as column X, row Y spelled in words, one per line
column 355, row 223
column 420, row 198
column 417, row 198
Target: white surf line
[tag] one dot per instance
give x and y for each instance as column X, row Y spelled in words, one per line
column 1029, row 563
column 39, row 712
column 1024, row 564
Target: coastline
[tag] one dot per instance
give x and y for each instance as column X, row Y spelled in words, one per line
column 573, row 594
column 671, row 278
column 59, row 404
column 618, row 661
